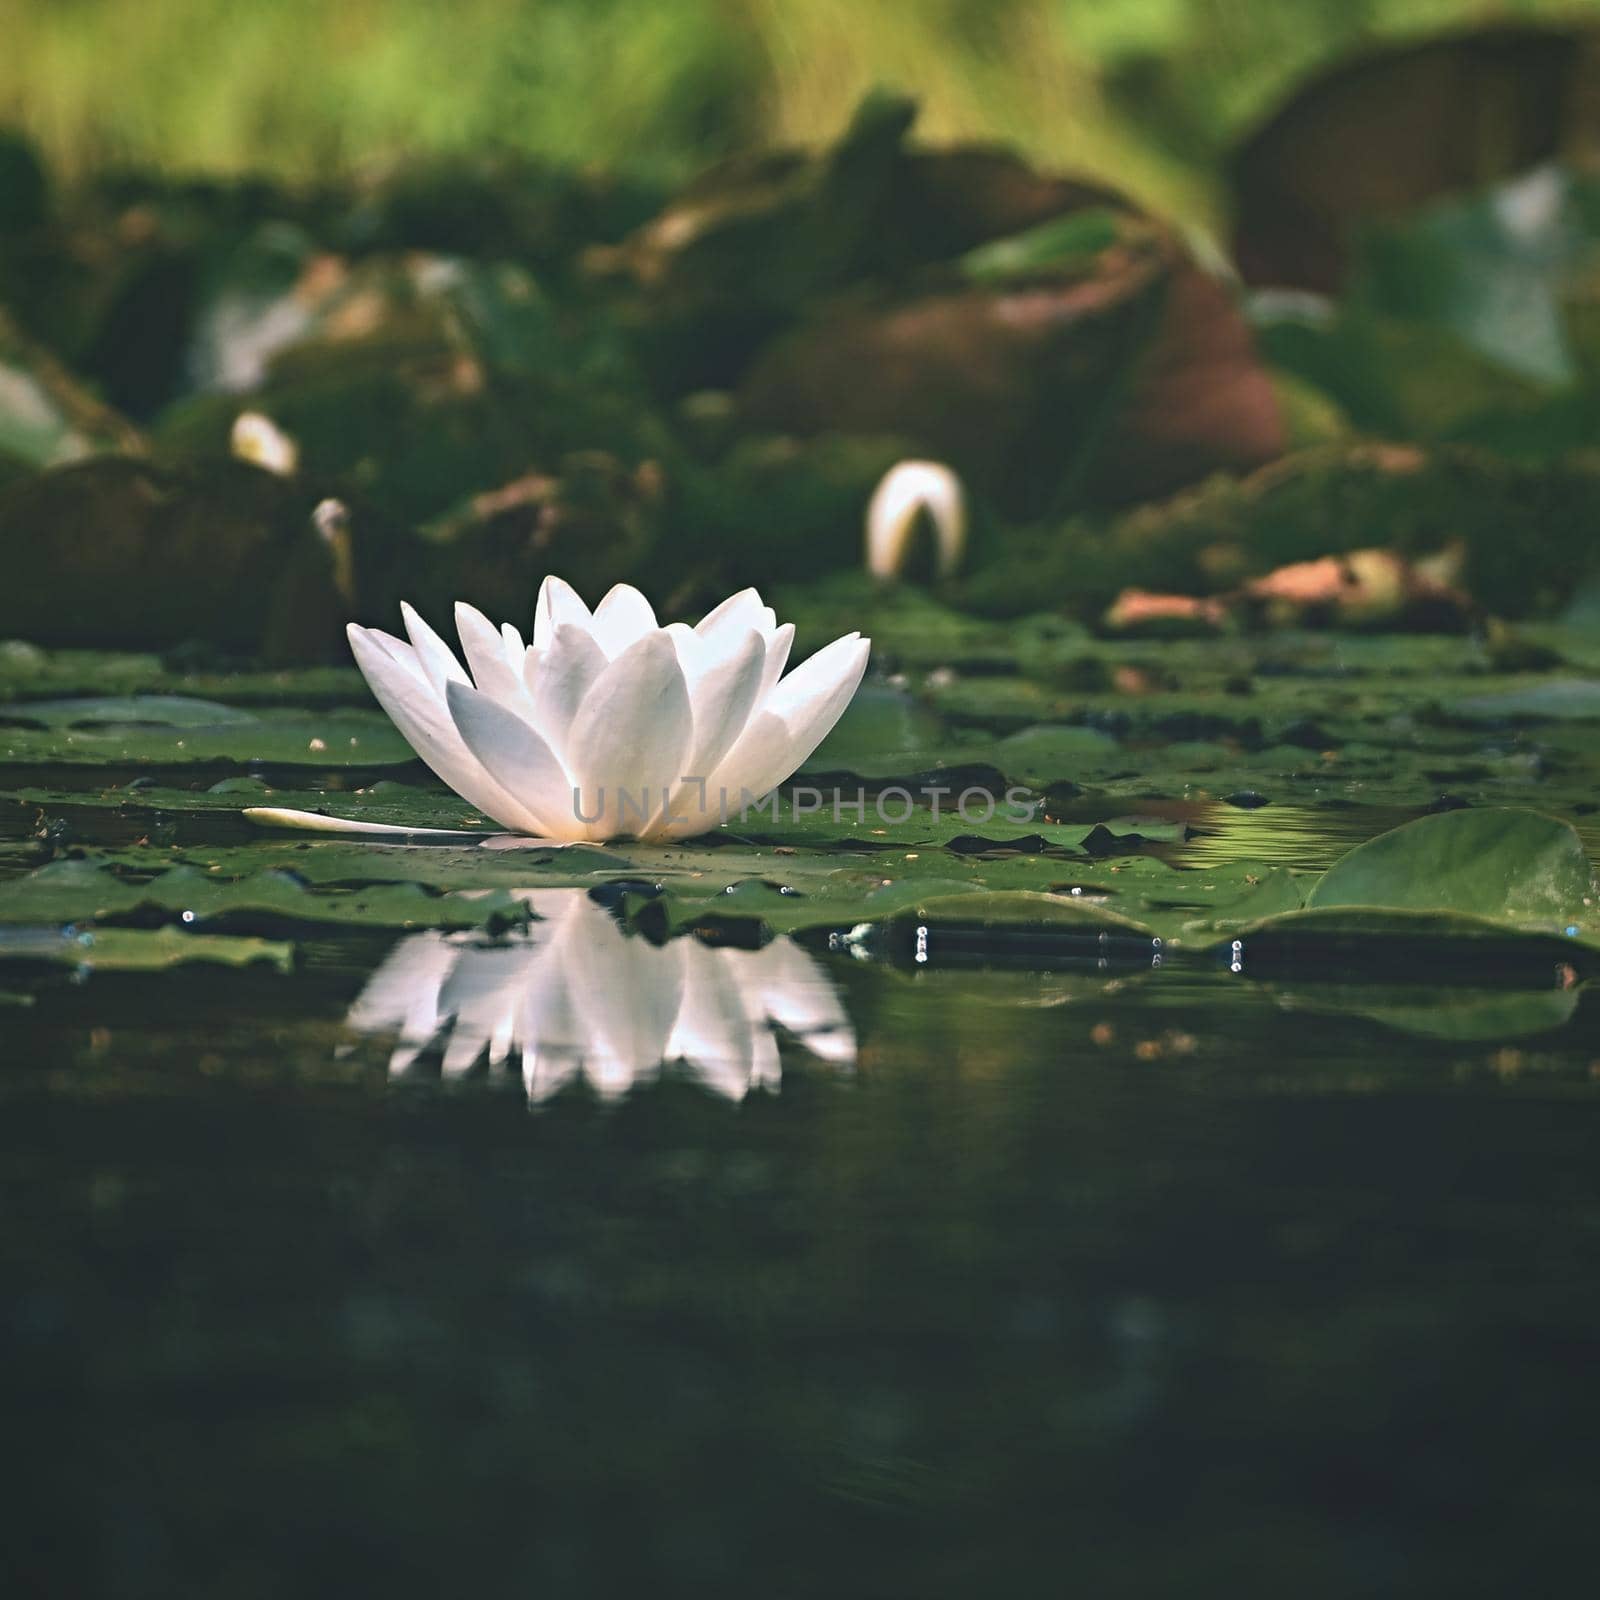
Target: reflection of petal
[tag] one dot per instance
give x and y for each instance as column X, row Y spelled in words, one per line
column 402, row 996
column 419, row 962
column 574, row 993
column 714, row 1034
column 799, row 995
column 548, row 1027
column 766, row 1072
column 626, row 993
column 482, row 993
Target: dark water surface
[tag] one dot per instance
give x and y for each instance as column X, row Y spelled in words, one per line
column 1030, row 1275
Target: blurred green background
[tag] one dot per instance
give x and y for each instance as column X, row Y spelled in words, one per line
column 1150, row 91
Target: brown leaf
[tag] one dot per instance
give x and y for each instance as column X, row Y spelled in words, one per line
column 1378, row 135
column 1112, row 382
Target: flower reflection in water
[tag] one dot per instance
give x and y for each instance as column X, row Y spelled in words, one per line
column 574, row 995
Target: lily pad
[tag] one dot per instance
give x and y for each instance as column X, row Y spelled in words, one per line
column 169, row 731
column 138, row 949
column 1518, row 866
column 1548, row 699
column 153, row 710
column 86, row 890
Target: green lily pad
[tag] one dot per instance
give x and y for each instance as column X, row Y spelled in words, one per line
column 139, row 949
column 86, row 890
column 400, row 804
column 161, row 730
column 154, row 710
column 1498, row 863
column 1549, row 699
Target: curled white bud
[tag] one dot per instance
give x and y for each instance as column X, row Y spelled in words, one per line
column 910, row 491
column 258, row 439
column 331, row 519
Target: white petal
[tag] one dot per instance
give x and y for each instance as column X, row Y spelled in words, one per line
column 422, row 718
column 742, row 610
column 629, row 741
column 437, row 659
column 558, row 602
column 822, row 685
column 485, row 649
column 558, row 678
column 622, row 619
column 511, row 642
column 758, row 763
column 724, row 683
column 779, row 643
column 794, row 719
column 316, row 822
column 693, row 652
column 722, row 694
column 401, row 651
column 516, row 758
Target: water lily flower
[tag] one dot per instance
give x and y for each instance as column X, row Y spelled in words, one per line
column 573, row 995
column 607, row 724
column 910, row 494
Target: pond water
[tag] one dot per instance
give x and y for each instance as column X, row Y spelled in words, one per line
column 586, row 1245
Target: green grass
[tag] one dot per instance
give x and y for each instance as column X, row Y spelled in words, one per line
column 1145, row 91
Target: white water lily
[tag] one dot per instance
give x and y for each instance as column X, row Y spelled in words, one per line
column 574, row 995
column 607, row 725
column 910, row 494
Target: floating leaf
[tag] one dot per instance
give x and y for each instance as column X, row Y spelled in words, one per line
column 94, row 711
column 137, row 949
column 1548, row 699
column 1520, row 866
column 315, row 739
column 85, row 890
